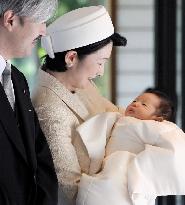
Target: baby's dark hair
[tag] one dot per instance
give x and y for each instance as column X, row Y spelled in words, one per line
column 166, row 108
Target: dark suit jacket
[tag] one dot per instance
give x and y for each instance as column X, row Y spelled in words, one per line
column 27, row 175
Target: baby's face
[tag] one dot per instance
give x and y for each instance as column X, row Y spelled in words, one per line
column 144, row 107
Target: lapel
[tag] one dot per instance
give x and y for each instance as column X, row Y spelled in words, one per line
column 8, row 121
column 71, row 100
column 26, row 113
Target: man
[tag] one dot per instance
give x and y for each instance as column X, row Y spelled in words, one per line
column 27, row 175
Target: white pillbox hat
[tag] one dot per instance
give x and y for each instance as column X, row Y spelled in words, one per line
column 77, row 28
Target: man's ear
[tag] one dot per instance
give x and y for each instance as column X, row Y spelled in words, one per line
column 157, row 118
column 70, row 58
column 8, row 19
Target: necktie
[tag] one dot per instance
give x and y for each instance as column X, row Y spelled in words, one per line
column 7, row 84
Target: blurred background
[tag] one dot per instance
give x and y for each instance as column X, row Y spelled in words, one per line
column 154, row 55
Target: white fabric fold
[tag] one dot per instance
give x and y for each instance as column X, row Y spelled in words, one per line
column 94, row 134
column 143, row 159
column 46, row 43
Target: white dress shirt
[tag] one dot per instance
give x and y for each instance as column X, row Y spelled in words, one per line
column 3, row 64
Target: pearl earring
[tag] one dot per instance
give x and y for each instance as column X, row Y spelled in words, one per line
column 69, row 65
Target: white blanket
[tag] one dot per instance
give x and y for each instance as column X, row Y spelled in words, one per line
column 142, row 159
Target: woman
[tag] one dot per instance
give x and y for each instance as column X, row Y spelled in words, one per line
column 78, row 44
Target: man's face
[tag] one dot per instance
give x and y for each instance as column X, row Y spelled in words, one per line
column 21, row 34
column 144, row 107
column 25, row 35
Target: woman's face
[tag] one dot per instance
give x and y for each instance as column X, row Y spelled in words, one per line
column 90, row 67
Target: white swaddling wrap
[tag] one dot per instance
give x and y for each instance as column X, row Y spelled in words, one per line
column 143, row 159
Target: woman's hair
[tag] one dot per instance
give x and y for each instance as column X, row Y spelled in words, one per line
column 166, row 108
column 58, row 63
column 37, row 10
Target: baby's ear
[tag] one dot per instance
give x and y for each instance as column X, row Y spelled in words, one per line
column 157, row 118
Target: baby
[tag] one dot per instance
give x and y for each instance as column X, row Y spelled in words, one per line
column 135, row 157
column 151, row 105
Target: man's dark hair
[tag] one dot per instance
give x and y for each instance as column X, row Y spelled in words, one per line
column 166, row 108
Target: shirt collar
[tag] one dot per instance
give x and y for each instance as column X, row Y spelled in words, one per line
column 2, row 64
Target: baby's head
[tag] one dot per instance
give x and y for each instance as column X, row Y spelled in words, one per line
column 151, row 105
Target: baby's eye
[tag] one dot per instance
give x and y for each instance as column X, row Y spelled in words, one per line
column 134, row 101
column 144, row 104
